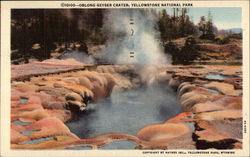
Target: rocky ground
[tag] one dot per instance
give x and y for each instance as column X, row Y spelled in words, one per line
column 45, row 95
column 225, row 49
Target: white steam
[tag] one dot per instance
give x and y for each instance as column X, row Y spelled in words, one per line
column 133, row 37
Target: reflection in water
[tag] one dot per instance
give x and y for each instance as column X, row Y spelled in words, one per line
column 126, row 112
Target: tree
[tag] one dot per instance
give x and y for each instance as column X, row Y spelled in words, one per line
column 47, row 27
column 173, row 27
column 189, row 51
column 206, row 27
column 202, row 25
column 163, row 23
column 184, row 55
column 209, row 31
column 183, row 22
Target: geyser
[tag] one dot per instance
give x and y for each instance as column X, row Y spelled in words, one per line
column 132, row 38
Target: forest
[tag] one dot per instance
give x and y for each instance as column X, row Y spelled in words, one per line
column 36, row 33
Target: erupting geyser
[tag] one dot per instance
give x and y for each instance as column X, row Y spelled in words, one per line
column 132, row 30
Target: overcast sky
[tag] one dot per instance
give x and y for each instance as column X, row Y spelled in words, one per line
column 223, row 18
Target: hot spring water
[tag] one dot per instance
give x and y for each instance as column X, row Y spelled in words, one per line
column 126, row 112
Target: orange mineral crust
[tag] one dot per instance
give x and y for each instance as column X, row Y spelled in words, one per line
column 46, row 95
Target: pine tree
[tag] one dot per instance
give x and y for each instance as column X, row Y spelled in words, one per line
column 202, row 25
column 209, row 28
column 206, row 27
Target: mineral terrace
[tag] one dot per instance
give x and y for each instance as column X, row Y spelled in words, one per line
column 45, row 95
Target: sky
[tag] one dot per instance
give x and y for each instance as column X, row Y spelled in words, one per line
column 223, row 17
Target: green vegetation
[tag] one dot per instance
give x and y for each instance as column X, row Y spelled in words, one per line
column 225, row 39
column 179, row 26
column 206, row 27
column 48, row 27
column 185, row 54
column 173, row 27
column 36, row 33
column 222, row 41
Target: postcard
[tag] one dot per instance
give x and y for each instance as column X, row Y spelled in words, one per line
column 125, row 78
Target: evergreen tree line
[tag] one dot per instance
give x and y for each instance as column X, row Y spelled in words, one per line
column 49, row 26
column 176, row 25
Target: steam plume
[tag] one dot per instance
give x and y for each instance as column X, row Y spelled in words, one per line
column 132, row 32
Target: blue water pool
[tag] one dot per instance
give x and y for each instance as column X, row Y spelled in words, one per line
column 217, row 76
column 126, row 112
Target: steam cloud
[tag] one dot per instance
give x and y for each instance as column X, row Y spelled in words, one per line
column 141, row 38
column 129, row 32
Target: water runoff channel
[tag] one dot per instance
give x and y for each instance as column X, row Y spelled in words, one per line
column 126, row 112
